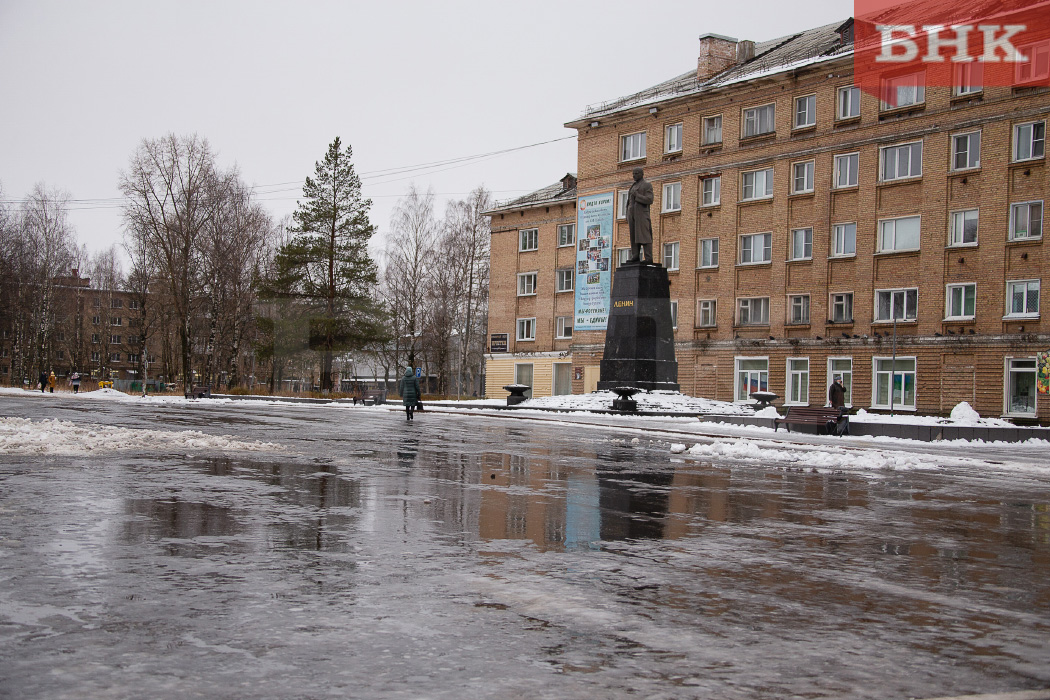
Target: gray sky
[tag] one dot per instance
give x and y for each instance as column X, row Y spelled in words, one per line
column 270, row 84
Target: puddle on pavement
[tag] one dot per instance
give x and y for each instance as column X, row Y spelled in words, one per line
column 183, row 528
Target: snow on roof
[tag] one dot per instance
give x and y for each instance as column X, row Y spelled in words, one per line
column 564, row 189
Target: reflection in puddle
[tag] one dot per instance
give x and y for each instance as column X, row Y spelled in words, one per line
column 186, row 528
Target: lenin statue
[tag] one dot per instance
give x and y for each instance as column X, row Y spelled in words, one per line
column 639, row 197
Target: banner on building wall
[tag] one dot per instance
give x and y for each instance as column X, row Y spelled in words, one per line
column 595, row 216
column 1042, row 377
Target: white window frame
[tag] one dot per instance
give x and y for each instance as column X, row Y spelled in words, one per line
column 1027, row 206
column 747, row 243
column 671, row 253
column 894, row 151
column 806, row 171
column 563, row 276
column 525, row 324
column 116, row 321
column 915, row 81
column 706, row 310
column 766, row 180
column 796, row 382
column 632, row 146
column 622, row 256
column 621, row 204
column 560, row 325
column 798, row 303
column 968, row 78
column 755, row 307
column 848, row 164
column 566, row 240
column 806, row 244
column 805, row 108
column 957, row 228
column 710, row 191
column 711, row 254
column 843, row 234
column 1034, row 141
column 673, row 138
column 758, row 374
column 890, row 226
column 672, row 197
column 912, row 292
column 1027, row 312
column 966, row 138
column 950, row 291
column 114, row 357
column 527, row 282
column 526, row 236
column 847, row 378
column 877, row 375
column 1038, row 59
column 1008, row 372
column 674, row 314
column 706, row 129
column 846, row 304
column 853, row 98
column 751, row 120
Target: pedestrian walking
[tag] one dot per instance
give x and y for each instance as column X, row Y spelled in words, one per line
column 410, row 392
column 43, row 381
column 74, row 381
column 51, row 381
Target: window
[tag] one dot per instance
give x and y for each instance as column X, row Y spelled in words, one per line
column 713, row 130
column 96, row 357
column 847, row 167
column 673, row 138
column 705, row 313
column 526, row 329
column 1037, row 62
column 133, row 340
column 526, row 284
column 903, row 90
column 798, row 380
column 801, row 177
column 674, row 313
column 114, row 340
column 756, row 248
column 962, row 228
column 97, row 303
column 134, row 358
column 966, row 151
column 95, row 338
column 751, row 375
column 805, row 111
column 621, row 204
column 757, row 184
column 529, row 239
column 894, row 383
column 671, row 255
column 711, row 187
column 969, row 78
column 564, row 280
column 1020, row 386
column 1029, row 140
column 562, row 378
column 116, row 321
column 899, row 304
column 1026, row 220
column 1022, row 298
column 133, row 304
column 672, row 199
column 753, row 311
column 961, row 301
column 848, row 102
column 96, row 320
column 798, row 309
column 566, row 235
column 802, row 244
column 523, row 375
column 114, row 357
column 842, row 367
column 116, row 303
column 563, row 327
column 899, row 234
column 842, row 307
column 898, row 162
column 61, row 354
column 759, row 120
column 632, row 146
column 843, row 240
column 708, row 252
column 622, row 256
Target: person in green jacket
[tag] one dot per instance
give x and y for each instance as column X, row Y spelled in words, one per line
column 410, row 392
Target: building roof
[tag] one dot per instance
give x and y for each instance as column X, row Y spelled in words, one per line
column 779, row 55
column 562, row 190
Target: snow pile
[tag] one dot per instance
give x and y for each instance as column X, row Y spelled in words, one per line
column 752, row 452
column 962, row 414
column 767, row 412
column 648, row 401
column 21, row 436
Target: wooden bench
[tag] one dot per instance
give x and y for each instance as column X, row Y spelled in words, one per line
column 373, row 396
column 199, row 392
column 826, row 416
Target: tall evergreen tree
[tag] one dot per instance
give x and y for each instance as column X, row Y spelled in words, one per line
column 326, row 266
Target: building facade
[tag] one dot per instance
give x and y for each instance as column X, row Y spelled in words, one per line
column 812, row 230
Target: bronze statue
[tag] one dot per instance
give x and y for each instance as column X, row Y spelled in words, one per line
column 639, row 198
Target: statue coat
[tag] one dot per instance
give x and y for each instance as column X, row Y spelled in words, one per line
column 639, row 197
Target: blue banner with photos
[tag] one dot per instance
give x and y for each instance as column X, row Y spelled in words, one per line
column 595, row 216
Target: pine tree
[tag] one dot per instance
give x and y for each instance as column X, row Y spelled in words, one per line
column 325, row 268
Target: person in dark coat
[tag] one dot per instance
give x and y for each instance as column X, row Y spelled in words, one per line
column 43, row 382
column 639, row 198
column 837, row 394
column 410, row 392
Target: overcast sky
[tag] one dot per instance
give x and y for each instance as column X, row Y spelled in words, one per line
column 270, row 84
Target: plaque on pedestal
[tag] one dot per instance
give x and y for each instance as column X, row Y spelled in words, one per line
column 639, row 339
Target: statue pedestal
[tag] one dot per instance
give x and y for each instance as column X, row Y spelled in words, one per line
column 639, row 340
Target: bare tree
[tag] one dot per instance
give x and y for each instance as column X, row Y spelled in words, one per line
column 410, row 253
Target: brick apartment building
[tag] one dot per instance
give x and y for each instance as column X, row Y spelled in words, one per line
column 810, row 230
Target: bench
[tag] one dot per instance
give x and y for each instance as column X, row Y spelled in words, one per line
column 826, row 416
column 372, row 397
column 199, row 392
